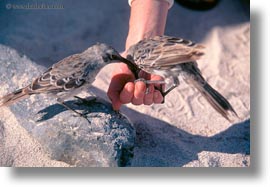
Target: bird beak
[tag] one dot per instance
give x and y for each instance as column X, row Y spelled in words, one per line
column 121, row 59
column 131, row 65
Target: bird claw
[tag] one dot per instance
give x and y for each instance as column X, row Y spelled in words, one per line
column 150, row 81
column 83, row 115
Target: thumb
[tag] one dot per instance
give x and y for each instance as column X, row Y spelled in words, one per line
column 114, row 94
column 114, row 97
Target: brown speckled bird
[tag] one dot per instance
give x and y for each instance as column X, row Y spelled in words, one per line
column 69, row 76
column 174, row 58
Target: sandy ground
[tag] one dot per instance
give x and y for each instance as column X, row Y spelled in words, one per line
column 47, row 36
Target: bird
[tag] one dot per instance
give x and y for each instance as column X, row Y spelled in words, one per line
column 175, row 58
column 69, row 76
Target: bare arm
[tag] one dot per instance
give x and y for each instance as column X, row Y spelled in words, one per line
column 147, row 19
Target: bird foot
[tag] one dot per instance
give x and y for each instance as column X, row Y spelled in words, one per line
column 150, row 81
column 83, row 115
column 77, row 113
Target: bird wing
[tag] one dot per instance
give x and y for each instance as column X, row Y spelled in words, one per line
column 163, row 51
column 65, row 75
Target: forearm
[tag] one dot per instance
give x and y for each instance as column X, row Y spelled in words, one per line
column 147, row 18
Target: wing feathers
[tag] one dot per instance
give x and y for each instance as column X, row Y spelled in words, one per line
column 166, row 51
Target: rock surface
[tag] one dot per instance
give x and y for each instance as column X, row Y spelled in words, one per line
column 107, row 139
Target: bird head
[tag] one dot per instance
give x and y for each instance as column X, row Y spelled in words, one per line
column 108, row 53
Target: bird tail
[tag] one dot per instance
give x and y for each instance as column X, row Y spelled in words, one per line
column 216, row 100
column 193, row 76
column 14, row 96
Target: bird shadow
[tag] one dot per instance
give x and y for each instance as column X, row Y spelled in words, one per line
column 85, row 106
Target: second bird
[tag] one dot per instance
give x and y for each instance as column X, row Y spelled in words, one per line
column 172, row 57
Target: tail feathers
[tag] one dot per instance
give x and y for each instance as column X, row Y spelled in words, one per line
column 217, row 101
column 14, row 97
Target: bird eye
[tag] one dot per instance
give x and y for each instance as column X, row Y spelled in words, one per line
column 112, row 57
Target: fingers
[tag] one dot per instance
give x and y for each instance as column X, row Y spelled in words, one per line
column 139, row 93
column 149, row 95
column 158, row 98
column 122, row 89
column 127, row 93
column 113, row 94
column 146, row 94
column 121, row 76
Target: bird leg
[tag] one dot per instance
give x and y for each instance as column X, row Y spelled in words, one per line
column 175, row 84
column 150, row 81
column 78, row 113
column 67, row 107
column 163, row 93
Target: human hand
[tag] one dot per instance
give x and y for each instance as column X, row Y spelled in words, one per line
column 147, row 19
column 123, row 90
